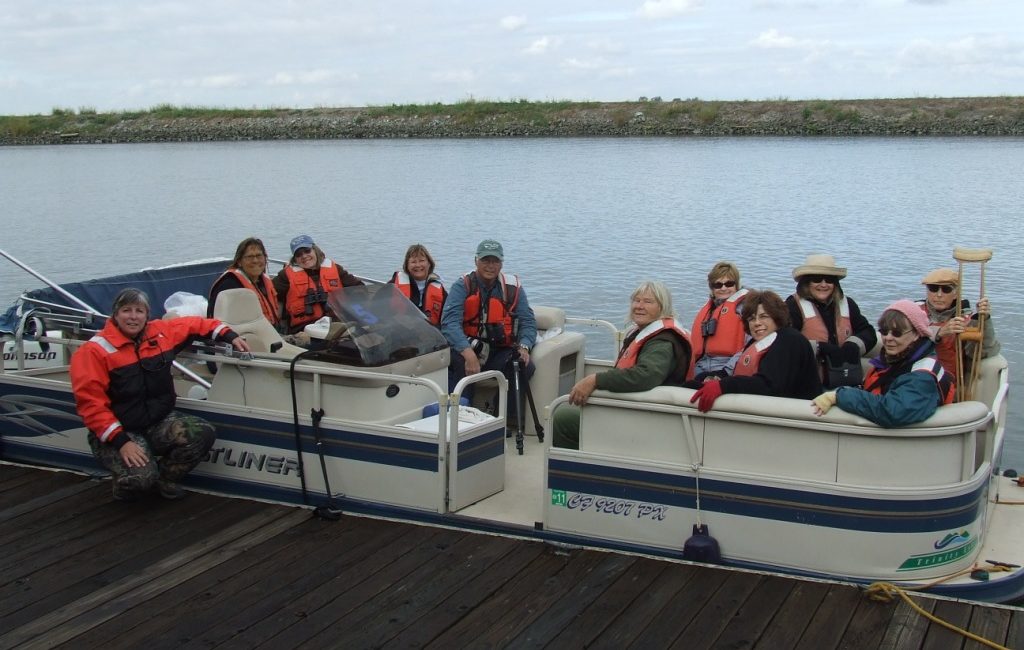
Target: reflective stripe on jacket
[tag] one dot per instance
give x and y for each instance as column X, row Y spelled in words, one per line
column 630, row 353
column 750, row 359
column 874, row 383
column 814, row 327
column 121, row 383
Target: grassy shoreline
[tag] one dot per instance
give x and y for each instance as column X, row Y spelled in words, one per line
column 966, row 116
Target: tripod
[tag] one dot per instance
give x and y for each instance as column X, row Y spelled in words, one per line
column 519, row 381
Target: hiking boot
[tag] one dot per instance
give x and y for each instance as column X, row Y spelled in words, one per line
column 123, row 492
column 170, row 490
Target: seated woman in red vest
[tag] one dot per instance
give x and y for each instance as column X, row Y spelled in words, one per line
column 418, row 282
column 718, row 334
column 906, row 383
column 940, row 307
column 655, row 352
column 303, row 285
column 777, row 362
column 830, row 320
column 248, row 270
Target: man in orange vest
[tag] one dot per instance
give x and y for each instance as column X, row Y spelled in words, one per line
column 488, row 321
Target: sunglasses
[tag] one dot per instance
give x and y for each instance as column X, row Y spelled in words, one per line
column 303, row 251
column 814, row 279
column 885, row 331
column 944, row 288
column 718, row 285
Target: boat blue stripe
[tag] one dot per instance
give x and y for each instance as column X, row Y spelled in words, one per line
column 368, row 447
column 481, row 448
column 781, row 504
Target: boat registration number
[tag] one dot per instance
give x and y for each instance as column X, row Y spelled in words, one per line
column 608, row 506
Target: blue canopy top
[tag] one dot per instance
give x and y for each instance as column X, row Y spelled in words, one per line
column 159, row 284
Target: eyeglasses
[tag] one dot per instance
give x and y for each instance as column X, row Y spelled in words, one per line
column 718, row 285
column 761, row 316
column 303, row 251
column 254, row 258
column 815, row 279
column 944, row 288
column 885, row 331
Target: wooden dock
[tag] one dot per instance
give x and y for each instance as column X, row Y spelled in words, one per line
column 78, row 570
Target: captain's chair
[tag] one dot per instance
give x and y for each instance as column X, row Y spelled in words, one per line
column 240, row 309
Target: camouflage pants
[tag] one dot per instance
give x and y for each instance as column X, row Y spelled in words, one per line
column 175, row 445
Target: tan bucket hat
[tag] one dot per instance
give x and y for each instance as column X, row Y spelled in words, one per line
column 819, row 264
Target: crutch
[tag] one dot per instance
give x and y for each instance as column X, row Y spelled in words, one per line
column 971, row 333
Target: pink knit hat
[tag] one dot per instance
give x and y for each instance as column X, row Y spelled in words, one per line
column 917, row 317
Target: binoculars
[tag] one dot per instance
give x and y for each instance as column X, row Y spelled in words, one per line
column 708, row 327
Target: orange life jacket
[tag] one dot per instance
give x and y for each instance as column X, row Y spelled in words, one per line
column 729, row 334
column 268, row 300
column 431, row 298
column 497, row 310
column 750, row 359
column 814, row 327
column 929, row 364
column 945, row 347
column 301, row 285
column 630, row 353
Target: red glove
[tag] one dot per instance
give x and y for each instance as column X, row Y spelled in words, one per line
column 707, row 394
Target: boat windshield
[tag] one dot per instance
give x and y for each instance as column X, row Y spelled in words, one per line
column 378, row 326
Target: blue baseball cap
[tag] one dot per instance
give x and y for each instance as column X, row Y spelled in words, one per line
column 302, row 241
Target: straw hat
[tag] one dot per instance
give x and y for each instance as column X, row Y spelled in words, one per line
column 941, row 276
column 819, row 264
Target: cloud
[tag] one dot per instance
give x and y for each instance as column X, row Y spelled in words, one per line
column 967, row 51
column 307, row 78
column 220, row 81
column 453, row 76
column 667, row 8
column 540, row 45
column 773, row 40
column 512, row 23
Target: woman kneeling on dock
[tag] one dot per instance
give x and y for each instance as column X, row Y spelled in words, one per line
column 655, row 352
column 906, row 383
column 124, row 393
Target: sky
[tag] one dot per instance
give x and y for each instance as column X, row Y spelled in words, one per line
column 112, row 55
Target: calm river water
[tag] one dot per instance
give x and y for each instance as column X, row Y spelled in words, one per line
column 582, row 220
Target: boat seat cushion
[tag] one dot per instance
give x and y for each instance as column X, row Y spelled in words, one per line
column 240, row 309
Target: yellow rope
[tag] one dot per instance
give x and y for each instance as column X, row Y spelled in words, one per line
column 885, row 592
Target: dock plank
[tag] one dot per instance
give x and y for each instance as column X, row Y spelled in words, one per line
column 517, row 603
column 388, row 613
column 103, row 604
column 938, row 637
column 988, row 623
column 432, row 622
column 589, row 624
column 229, row 573
column 793, row 615
column 907, row 627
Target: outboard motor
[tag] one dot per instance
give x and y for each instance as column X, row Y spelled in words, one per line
column 702, row 547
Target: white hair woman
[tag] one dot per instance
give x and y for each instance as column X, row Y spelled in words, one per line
column 655, row 352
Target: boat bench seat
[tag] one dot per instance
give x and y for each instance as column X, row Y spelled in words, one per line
column 661, row 426
column 240, row 309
